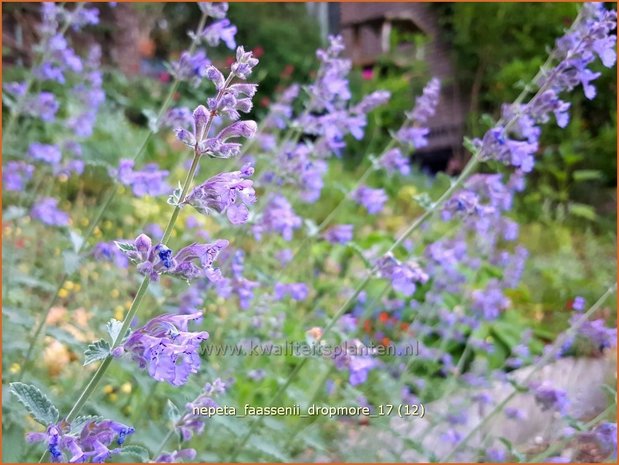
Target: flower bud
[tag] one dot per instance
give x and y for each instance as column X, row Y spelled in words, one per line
column 185, row 137
column 200, row 118
column 143, row 243
column 215, row 76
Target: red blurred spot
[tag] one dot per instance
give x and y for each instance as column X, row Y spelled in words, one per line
column 367, row 326
column 164, row 76
column 258, row 51
column 383, row 317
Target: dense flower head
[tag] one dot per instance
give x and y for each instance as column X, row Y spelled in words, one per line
column 191, row 262
column 191, row 424
column 244, row 63
column 550, row 398
column 331, row 87
column 91, row 444
column 46, row 153
column 278, row 217
column 46, row 211
column 340, row 234
column 237, row 284
column 220, row 31
column 596, row 333
column 404, row 276
column 191, row 66
column 108, row 251
column 296, row 291
column 150, row 180
column 16, row 175
column 355, row 357
column 413, row 136
column 229, row 193
column 372, row 199
column 216, row 10
column 394, row 161
column 166, row 347
column 17, row 89
column 490, row 301
column 44, row 106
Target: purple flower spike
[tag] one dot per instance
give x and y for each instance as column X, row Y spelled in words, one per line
column 149, row 181
column 92, row 444
column 16, row 175
column 357, row 359
column 372, row 199
column 244, row 64
column 340, row 234
column 167, row 348
column 550, row 398
column 228, row 193
column 46, row 153
column 296, row 291
column 404, row 276
column 191, row 262
column 46, row 211
column 426, row 104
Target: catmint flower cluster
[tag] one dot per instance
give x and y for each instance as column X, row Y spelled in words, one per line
column 150, row 180
column 193, row 67
column 189, row 263
column 16, row 175
column 591, row 37
column 228, row 193
column 93, row 444
column 278, row 217
column 238, row 284
column 550, row 398
column 166, row 348
column 373, row 200
column 404, row 276
column 191, row 424
column 46, row 211
column 339, row 234
column 355, row 357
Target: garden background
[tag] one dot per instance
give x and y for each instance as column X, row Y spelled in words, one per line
column 64, row 279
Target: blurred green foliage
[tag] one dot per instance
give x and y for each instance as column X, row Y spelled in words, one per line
column 575, row 176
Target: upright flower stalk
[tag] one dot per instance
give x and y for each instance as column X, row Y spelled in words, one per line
column 165, row 343
column 110, row 194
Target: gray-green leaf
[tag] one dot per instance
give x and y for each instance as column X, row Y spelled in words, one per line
column 173, row 413
column 38, row 405
column 71, row 261
column 113, row 328
column 98, row 350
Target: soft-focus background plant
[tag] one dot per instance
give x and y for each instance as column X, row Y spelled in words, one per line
column 566, row 216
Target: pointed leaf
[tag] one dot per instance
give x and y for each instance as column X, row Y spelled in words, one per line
column 98, row 350
column 113, row 329
column 38, row 405
column 173, row 413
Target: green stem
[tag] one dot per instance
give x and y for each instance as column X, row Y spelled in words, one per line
column 542, row 362
column 113, row 190
column 135, row 305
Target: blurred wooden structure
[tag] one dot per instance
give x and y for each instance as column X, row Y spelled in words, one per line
column 367, row 29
